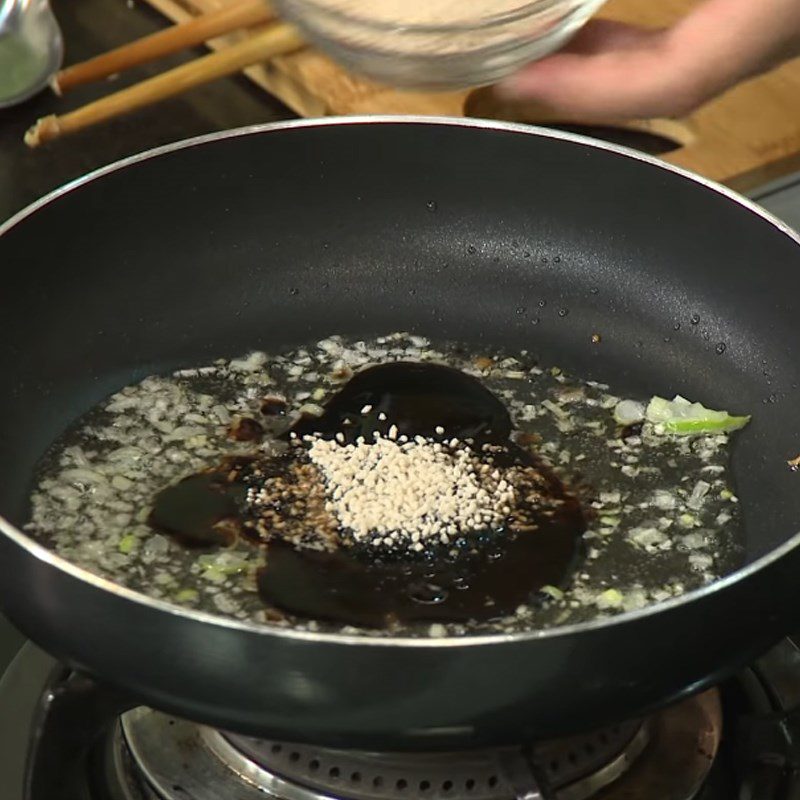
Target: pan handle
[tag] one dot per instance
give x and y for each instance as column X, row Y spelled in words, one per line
column 73, row 714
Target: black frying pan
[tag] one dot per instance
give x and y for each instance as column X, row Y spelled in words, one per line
column 190, row 252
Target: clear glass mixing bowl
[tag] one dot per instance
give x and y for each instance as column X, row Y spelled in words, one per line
column 437, row 44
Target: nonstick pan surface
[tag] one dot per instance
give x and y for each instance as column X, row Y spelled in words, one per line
column 198, row 250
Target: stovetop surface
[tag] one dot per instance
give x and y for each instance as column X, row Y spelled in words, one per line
column 781, row 198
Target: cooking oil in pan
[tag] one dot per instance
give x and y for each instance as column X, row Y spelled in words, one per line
column 644, row 518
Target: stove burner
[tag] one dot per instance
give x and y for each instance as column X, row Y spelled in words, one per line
column 63, row 739
column 469, row 775
column 667, row 757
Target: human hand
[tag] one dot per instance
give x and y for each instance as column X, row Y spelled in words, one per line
column 615, row 70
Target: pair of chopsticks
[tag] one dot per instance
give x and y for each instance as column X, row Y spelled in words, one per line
column 275, row 39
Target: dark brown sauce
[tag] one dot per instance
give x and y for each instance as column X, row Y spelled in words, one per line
column 273, row 406
column 480, row 576
column 418, row 399
column 491, row 580
column 245, row 429
column 199, row 511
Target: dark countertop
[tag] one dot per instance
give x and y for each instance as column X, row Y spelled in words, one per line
column 91, row 27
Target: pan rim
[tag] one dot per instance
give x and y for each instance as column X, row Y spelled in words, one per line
column 50, row 558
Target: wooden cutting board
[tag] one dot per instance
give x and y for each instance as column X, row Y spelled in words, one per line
column 747, row 137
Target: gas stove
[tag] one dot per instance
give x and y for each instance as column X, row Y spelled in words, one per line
column 66, row 738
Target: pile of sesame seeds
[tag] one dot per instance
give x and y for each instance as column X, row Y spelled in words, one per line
column 402, row 490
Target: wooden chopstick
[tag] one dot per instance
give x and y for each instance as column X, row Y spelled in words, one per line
column 274, row 40
column 242, row 14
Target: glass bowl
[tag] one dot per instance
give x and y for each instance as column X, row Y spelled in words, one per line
column 31, row 49
column 437, row 44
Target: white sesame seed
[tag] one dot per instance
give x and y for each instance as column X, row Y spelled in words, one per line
column 390, row 492
column 366, row 409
